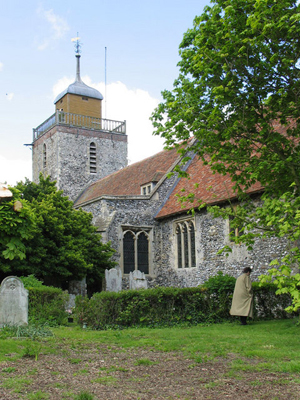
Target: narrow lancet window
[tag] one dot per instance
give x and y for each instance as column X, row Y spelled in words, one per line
column 44, row 156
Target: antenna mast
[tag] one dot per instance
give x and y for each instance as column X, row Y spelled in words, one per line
column 105, row 83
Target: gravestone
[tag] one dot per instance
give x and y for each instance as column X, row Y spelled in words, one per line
column 113, row 278
column 13, row 302
column 79, row 288
column 137, row 280
column 70, row 304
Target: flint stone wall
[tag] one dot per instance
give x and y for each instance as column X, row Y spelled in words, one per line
column 67, row 160
column 210, row 236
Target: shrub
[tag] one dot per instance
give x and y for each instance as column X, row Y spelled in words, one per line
column 267, row 304
column 31, row 281
column 152, row 307
column 46, row 305
column 169, row 306
column 220, row 289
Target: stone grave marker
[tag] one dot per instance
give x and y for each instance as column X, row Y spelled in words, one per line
column 13, row 302
column 113, row 278
column 137, row 280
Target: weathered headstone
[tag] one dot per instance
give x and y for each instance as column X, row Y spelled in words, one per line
column 113, row 278
column 70, row 304
column 13, row 302
column 137, row 280
column 78, row 287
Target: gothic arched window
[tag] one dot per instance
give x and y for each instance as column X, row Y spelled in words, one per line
column 143, row 253
column 128, row 252
column 136, row 251
column 185, row 242
column 93, row 158
column 179, row 247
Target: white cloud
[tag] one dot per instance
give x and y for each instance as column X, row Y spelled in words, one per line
column 61, row 85
column 13, row 171
column 133, row 105
column 1, row 66
column 9, row 96
column 58, row 26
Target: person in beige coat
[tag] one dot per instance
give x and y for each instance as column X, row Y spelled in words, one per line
column 242, row 300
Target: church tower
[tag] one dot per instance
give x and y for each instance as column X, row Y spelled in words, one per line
column 76, row 146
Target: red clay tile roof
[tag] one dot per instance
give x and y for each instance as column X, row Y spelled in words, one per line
column 128, row 181
column 213, row 188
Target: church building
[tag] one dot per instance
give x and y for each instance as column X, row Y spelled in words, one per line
column 135, row 206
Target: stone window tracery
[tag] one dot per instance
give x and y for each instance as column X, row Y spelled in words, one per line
column 185, row 243
column 136, row 251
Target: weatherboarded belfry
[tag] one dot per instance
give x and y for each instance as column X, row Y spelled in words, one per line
column 76, row 146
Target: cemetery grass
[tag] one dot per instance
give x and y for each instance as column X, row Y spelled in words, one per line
column 219, row 361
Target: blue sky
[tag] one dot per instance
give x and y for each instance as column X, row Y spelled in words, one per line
column 37, row 61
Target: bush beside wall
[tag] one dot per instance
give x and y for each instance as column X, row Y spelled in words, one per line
column 171, row 306
column 46, row 305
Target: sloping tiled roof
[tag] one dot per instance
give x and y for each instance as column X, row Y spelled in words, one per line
column 213, row 188
column 128, row 181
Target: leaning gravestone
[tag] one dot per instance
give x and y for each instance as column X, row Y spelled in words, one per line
column 137, row 280
column 13, row 302
column 113, row 278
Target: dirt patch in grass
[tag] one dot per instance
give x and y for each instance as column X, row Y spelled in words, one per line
column 115, row 373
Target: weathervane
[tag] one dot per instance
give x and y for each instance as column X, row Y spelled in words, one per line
column 77, row 55
column 77, row 45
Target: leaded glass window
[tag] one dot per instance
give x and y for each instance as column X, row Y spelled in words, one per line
column 143, row 253
column 179, row 246
column 186, row 246
column 128, row 252
column 136, row 253
column 193, row 244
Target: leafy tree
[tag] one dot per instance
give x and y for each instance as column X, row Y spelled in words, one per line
column 17, row 225
column 238, row 94
column 65, row 245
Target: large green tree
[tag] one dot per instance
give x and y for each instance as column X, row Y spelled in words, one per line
column 65, row 245
column 17, row 225
column 238, row 94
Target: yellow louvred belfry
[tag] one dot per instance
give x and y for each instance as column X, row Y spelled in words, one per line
column 79, row 98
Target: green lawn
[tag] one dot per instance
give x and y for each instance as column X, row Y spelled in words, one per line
column 275, row 344
column 260, row 360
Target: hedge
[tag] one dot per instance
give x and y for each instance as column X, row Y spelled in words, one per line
column 171, row 306
column 46, row 305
